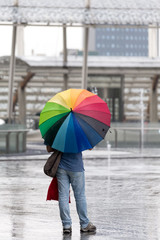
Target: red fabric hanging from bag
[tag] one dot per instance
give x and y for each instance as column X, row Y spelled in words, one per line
column 53, row 190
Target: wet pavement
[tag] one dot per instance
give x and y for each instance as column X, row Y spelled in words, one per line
column 122, row 189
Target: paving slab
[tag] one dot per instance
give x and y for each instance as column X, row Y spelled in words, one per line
column 123, row 196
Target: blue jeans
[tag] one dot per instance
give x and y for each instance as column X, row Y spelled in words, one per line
column 77, row 181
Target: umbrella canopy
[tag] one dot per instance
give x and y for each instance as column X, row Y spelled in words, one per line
column 74, row 120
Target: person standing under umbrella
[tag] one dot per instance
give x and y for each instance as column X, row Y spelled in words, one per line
column 71, row 172
column 72, row 121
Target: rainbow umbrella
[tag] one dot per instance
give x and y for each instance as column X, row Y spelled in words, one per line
column 74, row 120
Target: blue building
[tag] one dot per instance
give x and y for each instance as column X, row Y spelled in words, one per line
column 125, row 41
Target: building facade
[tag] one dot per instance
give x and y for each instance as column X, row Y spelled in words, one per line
column 126, row 41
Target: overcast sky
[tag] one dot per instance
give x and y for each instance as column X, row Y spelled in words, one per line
column 41, row 40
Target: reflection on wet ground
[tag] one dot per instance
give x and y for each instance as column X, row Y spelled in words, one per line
column 123, row 198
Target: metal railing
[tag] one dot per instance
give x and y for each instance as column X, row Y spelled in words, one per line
column 138, row 129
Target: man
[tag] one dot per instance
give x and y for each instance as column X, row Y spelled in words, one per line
column 71, row 171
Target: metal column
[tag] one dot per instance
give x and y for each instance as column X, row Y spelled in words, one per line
column 65, row 56
column 121, row 99
column 85, row 51
column 85, row 56
column 153, row 102
column 11, row 75
column 158, row 52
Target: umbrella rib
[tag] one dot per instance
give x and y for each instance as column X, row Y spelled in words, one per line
column 59, row 121
column 91, row 128
column 77, row 99
column 83, row 99
column 95, row 120
column 52, row 107
column 64, row 100
column 68, row 110
column 97, row 110
column 109, row 114
column 84, row 135
column 59, row 96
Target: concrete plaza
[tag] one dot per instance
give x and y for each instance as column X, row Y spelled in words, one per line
column 122, row 189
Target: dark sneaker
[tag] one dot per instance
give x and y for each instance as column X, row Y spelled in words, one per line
column 89, row 228
column 67, row 230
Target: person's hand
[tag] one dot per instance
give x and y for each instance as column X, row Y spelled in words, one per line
column 90, row 149
column 49, row 149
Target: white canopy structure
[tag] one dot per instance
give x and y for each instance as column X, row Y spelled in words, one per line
column 88, row 12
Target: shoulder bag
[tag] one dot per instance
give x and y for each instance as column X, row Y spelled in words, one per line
column 50, row 168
